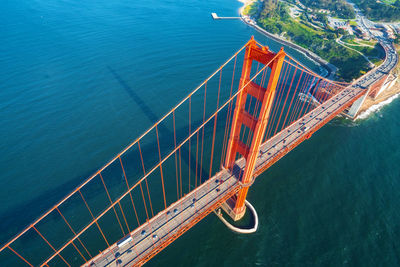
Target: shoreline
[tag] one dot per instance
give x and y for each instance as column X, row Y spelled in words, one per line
column 330, row 68
column 369, row 106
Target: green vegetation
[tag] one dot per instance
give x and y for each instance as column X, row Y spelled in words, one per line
column 397, row 68
column 372, row 42
column 380, row 10
column 351, row 40
column 274, row 17
column 252, row 10
column 353, row 23
column 376, row 61
column 389, row 2
column 375, row 52
column 338, row 8
column 397, row 40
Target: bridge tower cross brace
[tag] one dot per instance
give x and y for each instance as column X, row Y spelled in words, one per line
column 235, row 206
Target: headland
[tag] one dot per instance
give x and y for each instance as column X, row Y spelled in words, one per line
column 371, row 103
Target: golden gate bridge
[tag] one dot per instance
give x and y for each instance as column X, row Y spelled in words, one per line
column 205, row 153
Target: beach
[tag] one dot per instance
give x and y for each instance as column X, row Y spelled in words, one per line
column 371, row 105
column 82, row 80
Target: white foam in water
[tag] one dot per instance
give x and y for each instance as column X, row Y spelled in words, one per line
column 376, row 107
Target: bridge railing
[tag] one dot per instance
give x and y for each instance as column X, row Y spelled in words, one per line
column 177, row 154
column 173, row 157
column 299, row 92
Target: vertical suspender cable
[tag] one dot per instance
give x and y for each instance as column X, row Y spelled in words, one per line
column 278, row 101
column 176, row 157
column 215, row 127
column 147, row 185
column 72, row 230
column 298, row 101
column 130, row 194
column 190, row 115
column 306, row 98
column 48, row 243
column 197, row 156
column 115, row 212
column 180, row 171
column 22, row 258
column 283, row 108
column 202, row 134
column 161, row 170
column 291, row 101
column 98, row 226
column 228, row 117
column 144, row 201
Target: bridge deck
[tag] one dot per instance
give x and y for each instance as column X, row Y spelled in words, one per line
column 169, row 223
column 290, row 137
column 166, row 226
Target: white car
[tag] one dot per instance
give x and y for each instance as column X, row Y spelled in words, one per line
column 304, row 128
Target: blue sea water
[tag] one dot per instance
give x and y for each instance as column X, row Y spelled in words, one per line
column 82, row 79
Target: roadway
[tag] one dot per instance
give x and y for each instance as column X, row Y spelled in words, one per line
column 145, row 241
column 391, row 54
column 378, row 73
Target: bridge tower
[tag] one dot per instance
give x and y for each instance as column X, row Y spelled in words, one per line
column 235, row 206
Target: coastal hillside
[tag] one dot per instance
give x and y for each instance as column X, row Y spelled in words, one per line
column 386, row 11
column 338, row 8
column 311, row 30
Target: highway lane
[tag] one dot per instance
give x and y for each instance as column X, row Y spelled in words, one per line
column 183, row 214
column 151, row 236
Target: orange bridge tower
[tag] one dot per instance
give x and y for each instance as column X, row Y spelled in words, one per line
column 235, row 206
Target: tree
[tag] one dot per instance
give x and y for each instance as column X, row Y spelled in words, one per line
column 323, row 18
column 380, row 11
column 339, row 8
column 341, row 32
column 397, row 40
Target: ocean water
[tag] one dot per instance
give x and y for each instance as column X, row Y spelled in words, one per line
column 82, row 79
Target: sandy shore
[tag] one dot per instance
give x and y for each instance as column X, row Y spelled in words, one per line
column 371, row 105
column 245, row 3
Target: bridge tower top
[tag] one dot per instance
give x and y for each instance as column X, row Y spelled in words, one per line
column 243, row 119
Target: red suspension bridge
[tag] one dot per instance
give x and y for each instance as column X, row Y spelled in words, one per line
column 203, row 154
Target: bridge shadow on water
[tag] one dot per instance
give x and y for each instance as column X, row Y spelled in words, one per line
column 149, row 113
column 19, row 217
column 16, row 219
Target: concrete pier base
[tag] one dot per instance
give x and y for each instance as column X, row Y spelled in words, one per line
column 229, row 206
column 353, row 111
column 237, row 229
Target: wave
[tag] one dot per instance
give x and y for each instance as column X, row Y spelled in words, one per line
column 374, row 108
